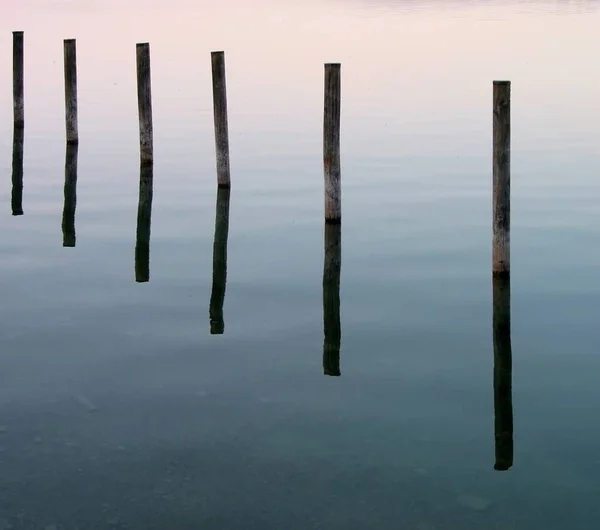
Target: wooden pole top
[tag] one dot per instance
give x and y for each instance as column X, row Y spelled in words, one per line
column 501, row 83
column 17, row 33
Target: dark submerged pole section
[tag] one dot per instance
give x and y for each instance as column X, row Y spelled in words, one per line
column 219, row 281
column 18, row 103
column 503, row 409
column 501, row 180
column 70, row 191
column 331, row 144
column 331, row 299
column 142, row 242
column 220, row 117
column 70, row 53
column 16, row 200
column 144, row 103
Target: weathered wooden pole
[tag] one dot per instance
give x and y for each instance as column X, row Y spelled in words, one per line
column 142, row 242
column 331, row 299
column 18, row 125
column 18, row 104
column 501, row 180
column 331, row 144
column 144, row 103
column 70, row 193
column 16, row 200
column 70, row 54
column 220, row 117
column 503, row 409
column 219, row 280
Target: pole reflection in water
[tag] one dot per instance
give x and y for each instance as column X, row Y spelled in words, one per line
column 68, row 218
column 331, row 299
column 142, row 243
column 219, row 281
column 16, row 201
column 503, row 409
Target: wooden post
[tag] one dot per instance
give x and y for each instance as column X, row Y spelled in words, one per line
column 501, row 180
column 18, row 104
column 70, row 54
column 220, row 117
column 331, row 299
column 144, row 103
column 331, row 144
column 18, row 124
column 142, row 242
column 17, row 171
column 70, row 193
column 217, row 297
column 503, row 410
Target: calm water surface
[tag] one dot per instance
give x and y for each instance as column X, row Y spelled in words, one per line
column 120, row 410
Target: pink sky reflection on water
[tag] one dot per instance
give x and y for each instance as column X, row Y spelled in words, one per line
column 406, row 65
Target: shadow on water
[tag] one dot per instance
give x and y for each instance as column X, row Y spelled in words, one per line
column 16, row 200
column 331, row 299
column 503, row 409
column 219, row 280
column 142, row 242
column 68, row 217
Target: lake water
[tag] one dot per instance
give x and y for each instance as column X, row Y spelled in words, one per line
column 120, row 410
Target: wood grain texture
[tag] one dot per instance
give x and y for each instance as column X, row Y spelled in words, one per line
column 219, row 278
column 331, row 144
column 501, row 180
column 18, row 80
column 70, row 60
column 503, row 409
column 332, row 328
column 70, row 196
column 16, row 199
column 142, row 241
column 220, row 119
column 144, row 103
